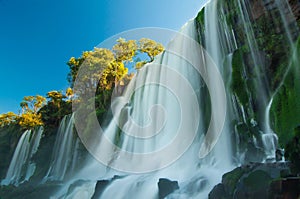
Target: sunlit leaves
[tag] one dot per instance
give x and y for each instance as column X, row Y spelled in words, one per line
column 30, row 119
column 33, row 103
column 125, row 50
column 8, row 118
column 69, row 94
column 151, row 47
column 112, row 75
column 109, row 66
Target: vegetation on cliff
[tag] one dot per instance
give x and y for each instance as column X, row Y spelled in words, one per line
column 48, row 111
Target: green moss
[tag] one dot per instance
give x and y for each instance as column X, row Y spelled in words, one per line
column 257, row 180
column 200, row 17
column 238, row 84
column 231, row 179
column 285, row 110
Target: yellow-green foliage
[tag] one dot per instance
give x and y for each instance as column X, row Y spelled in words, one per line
column 112, row 74
column 30, row 107
column 30, row 119
column 140, row 64
column 125, row 50
column 8, row 118
column 69, row 94
column 151, row 47
column 55, row 96
column 33, row 103
column 109, row 66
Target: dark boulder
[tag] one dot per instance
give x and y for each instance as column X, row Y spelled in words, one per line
column 251, row 181
column 165, row 187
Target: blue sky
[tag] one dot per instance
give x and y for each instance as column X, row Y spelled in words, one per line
column 37, row 37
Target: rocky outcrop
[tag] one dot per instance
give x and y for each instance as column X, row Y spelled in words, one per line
column 165, row 187
column 257, row 9
column 101, row 185
column 295, row 7
column 286, row 188
column 258, row 181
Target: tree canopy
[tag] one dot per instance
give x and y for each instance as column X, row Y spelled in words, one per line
column 111, row 66
column 106, row 69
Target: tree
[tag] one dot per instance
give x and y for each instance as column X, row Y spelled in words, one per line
column 55, row 97
column 30, row 120
column 151, row 47
column 30, row 117
column 110, row 66
column 125, row 50
column 113, row 74
column 8, row 118
column 59, row 104
column 32, row 103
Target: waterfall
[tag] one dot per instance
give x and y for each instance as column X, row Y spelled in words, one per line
column 269, row 138
column 179, row 117
column 143, row 111
column 63, row 150
column 175, row 120
column 21, row 167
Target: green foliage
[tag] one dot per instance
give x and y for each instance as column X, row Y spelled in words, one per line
column 238, row 84
column 105, row 69
column 286, row 105
column 292, row 150
column 200, row 20
column 200, row 17
column 59, row 104
column 276, row 47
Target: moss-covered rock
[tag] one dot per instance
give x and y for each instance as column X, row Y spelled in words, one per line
column 250, row 181
column 27, row 190
column 286, row 104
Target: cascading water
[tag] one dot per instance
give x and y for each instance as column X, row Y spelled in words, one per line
column 21, row 167
column 172, row 98
column 269, row 138
column 197, row 176
column 181, row 55
column 63, row 150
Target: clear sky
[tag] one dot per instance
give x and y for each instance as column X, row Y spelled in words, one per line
column 37, row 37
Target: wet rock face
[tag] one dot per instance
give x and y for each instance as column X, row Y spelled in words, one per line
column 165, row 187
column 100, row 186
column 256, row 181
column 257, row 9
column 287, row 188
column 260, row 7
column 295, row 7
